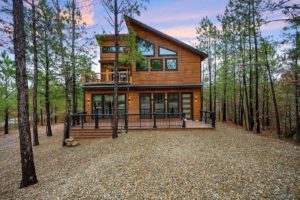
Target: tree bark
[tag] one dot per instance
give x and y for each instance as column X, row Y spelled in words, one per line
column 35, row 79
column 27, row 161
column 6, row 118
column 73, row 60
column 278, row 133
column 116, row 74
column 256, row 71
column 47, row 100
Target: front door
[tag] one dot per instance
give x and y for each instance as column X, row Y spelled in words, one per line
column 187, row 105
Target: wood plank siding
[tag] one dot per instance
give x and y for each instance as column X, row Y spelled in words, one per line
column 185, row 79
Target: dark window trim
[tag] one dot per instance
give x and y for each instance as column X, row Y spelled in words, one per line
column 150, row 43
column 163, row 115
column 102, row 99
column 162, row 62
column 167, row 49
column 140, row 108
column 141, row 70
column 178, row 101
column 112, row 51
column 171, row 69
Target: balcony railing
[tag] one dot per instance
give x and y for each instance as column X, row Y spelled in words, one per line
column 105, row 78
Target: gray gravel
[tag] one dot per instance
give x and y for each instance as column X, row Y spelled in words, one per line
column 228, row 163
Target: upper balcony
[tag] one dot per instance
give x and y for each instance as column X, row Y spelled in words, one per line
column 105, row 78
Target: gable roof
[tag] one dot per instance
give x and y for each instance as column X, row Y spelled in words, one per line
column 130, row 20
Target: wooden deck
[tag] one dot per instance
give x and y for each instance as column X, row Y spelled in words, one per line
column 105, row 131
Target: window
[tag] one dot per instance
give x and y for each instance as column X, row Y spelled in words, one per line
column 173, row 104
column 159, row 104
column 162, row 51
column 112, row 49
column 156, row 64
column 171, row 64
column 145, row 47
column 145, row 105
column 103, row 104
column 142, row 65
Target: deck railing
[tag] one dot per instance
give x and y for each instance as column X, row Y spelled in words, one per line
column 105, row 78
column 208, row 117
column 127, row 121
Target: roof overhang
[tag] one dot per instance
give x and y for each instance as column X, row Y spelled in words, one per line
column 130, row 21
column 137, row 87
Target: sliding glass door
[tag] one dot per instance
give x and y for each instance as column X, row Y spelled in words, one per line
column 103, row 104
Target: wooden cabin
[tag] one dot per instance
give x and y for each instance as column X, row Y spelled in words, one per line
column 166, row 83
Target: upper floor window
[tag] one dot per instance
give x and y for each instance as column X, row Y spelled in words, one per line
column 145, row 47
column 162, row 51
column 142, row 65
column 156, row 64
column 171, row 64
column 112, row 49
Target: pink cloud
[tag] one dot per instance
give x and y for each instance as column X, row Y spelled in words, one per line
column 180, row 31
column 86, row 8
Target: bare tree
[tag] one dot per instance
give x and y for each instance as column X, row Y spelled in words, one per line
column 116, row 10
column 27, row 162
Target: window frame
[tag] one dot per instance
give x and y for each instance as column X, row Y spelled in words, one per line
column 162, row 63
column 139, row 38
column 166, row 62
column 114, row 48
column 145, row 116
column 159, row 54
column 160, row 115
column 142, row 70
column 174, row 115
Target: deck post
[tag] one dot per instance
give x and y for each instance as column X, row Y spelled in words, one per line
column 82, row 120
column 183, row 120
column 96, row 121
column 154, row 123
column 205, row 120
column 126, row 122
column 213, row 119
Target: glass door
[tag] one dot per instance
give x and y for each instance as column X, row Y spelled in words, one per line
column 187, row 105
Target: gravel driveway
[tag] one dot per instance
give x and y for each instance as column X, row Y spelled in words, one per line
column 228, row 163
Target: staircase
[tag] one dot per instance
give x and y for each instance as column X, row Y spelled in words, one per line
column 77, row 133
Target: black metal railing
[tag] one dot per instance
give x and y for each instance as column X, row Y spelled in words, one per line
column 208, row 117
column 129, row 121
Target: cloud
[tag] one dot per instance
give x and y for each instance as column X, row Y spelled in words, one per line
column 180, row 31
column 276, row 25
column 86, row 8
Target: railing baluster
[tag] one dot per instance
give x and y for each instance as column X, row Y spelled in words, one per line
column 183, row 119
column 96, row 121
column 154, row 122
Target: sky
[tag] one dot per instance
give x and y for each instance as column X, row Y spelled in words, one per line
column 177, row 18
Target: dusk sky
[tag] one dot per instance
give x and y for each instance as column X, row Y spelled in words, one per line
column 177, row 18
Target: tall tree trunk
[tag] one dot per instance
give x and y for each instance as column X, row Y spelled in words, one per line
column 47, row 100
column 116, row 72
column 42, row 117
column 224, row 108
column 6, row 118
column 234, row 94
column 27, row 162
column 273, row 96
column 251, row 116
column 66, row 75
column 215, row 84
column 256, row 71
column 35, row 79
column 209, row 75
column 297, row 92
column 73, row 60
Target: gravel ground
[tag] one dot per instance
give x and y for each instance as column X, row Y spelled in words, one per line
column 228, row 163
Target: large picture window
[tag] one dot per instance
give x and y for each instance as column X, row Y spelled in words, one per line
column 112, row 49
column 145, row 47
column 103, row 104
column 156, row 64
column 162, row 51
column 159, row 104
column 145, row 105
column 171, row 64
column 173, row 104
column 142, row 65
